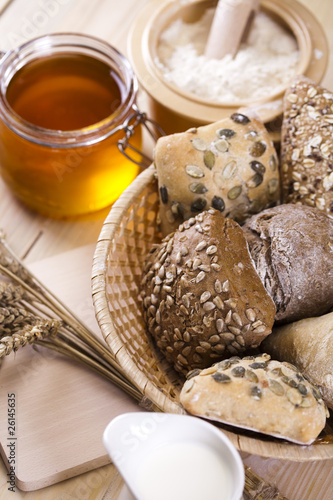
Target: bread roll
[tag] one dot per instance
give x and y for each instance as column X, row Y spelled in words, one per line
column 258, row 394
column 202, row 298
column 307, row 145
column 230, row 165
column 292, row 248
column 308, row 344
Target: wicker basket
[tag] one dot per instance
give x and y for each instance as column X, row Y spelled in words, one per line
column 126, row 237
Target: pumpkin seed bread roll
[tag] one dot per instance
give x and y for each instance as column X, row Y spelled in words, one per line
column 292, row 248
column 258, row 394
column 230, row 165
column 307, row 145
column 308, row 344
column 202, row 298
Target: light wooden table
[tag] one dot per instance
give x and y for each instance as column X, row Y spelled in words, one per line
column 34, row 237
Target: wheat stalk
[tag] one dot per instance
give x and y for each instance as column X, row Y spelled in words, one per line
column 31, row 314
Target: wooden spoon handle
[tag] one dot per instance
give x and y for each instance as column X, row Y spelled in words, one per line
column 229, row 27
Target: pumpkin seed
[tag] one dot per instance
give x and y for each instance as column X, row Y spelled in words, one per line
column 225, row 133
column 258, row 167
column 255, row 181
column 272, row 163
column 256, row 392
column 198, row 205
column 272, row 186
column 209, row 159
column 194, row 171
column 198, row 188
column 238, row 371
column 222, row 145
column 221, row 377
column 234, row 192
column 239, row 118
column 164, row 194
column 257, row 149
column 276, row 387
column 218, row 203
column 199, row 144
column 230, row 169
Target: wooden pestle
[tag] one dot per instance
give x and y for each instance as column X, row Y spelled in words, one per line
column 230, row 26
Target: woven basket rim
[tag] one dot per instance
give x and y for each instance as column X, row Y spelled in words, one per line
column 100, row 301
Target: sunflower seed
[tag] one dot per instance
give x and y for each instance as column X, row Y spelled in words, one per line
column 205, row 296
column 219, row 325
column 209, row 306
column 200, row 277
column 211, row 250
column 218, row 302
column 218, row 286
column 201, row 246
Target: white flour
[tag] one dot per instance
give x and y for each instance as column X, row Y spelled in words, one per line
column 261, row 67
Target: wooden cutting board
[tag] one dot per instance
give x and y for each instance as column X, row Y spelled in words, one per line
column 62, row 408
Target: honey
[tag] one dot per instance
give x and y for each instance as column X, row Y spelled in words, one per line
column 62, row 115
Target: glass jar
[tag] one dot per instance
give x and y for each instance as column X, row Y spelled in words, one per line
column 60, row 171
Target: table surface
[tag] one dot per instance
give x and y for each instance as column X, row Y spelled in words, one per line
column 34, row 237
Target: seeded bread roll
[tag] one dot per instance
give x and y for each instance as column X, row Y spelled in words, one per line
column 202, row 298
column 230, row 165
column 307, row 145
column 309, row 345
column 258, row 394
column 292, row 248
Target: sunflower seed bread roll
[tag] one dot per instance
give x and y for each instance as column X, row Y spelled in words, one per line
column 308, row 344
column 292, row 248
column 202, row 298
column 230, row 165
column 307, row 146
column 258, row 394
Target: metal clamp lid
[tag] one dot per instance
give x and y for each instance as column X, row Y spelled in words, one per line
column 129, row 126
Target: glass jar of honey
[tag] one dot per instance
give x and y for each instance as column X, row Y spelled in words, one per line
column 64, row 99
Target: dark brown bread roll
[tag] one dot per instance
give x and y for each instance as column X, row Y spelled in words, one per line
column 202, row 298
column 292, row 248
